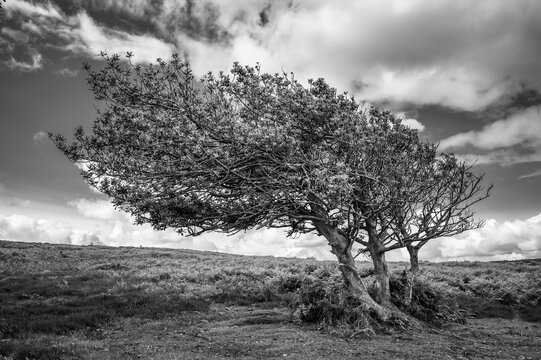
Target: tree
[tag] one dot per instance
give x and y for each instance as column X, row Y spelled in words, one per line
column 252, row 150
column 433, row 197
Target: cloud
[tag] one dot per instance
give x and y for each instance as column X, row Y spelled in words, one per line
column 67, row 72
column 512, row 140
column 118, row 229
column 388, row 50
column 16, row 39
column 274, row 242
column 32, row 28
column 508, row 240
column 91, row 38
column 442, row 85
column 535, row 173
column 17, row 36
column 40, row 137
column 24, row 228
column 522, row 127
column 115, row 228
column 29, row 9
column 504, row 157
column 36, row 63
column 410, row 122
column 99, row 209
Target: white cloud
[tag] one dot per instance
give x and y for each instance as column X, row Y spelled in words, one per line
column 522, row 127
column 46, row 25
column 25, row 228
column 91, row 38
column 503, row 157
column 67, row 72
column 397, row 50
column 99, row 209
column 117, row 229
column 16, row 35
column 401, row 53
column 516, row 139
column 16, row 65
column 455, row 88
column 40, row 137
column 30, row 26
column 535, row 173
column 410, row 122
column 47, row 10
column 508, row 240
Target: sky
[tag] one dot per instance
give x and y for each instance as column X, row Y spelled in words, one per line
column 465, row 74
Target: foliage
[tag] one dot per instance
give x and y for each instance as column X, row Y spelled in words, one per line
column 251, row 149
column 258, row 150
column 429, row 304
column 326, row 304
column 248, row 150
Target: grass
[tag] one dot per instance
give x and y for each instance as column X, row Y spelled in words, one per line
column 49, row 291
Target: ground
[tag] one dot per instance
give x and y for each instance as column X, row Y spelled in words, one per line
column 246, row 332
column 130, row 322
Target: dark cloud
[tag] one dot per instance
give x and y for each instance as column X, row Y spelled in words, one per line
column 162, row 18
column 130, row 16
column 264, row 15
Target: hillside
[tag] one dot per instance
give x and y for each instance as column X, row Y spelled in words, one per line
column 94, row 302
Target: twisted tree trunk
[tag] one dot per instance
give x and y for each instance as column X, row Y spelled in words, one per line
column 411, row 273
column 341, row 248
column 382, row 290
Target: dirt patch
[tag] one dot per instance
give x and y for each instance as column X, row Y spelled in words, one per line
column 253, row 333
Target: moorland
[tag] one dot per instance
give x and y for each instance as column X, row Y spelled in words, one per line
column 97, row 302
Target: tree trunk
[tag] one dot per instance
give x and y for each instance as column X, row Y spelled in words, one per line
column 341, row 248
column 411, row 273
column 382, row 289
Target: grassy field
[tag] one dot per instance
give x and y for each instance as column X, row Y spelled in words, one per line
column 69, row 302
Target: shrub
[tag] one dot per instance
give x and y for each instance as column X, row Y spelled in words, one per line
column 484, row 308
column 290, row 283
column 531, row 313
column 23, row 350
column 428, row 304
column 310, row 268
column 327, row 304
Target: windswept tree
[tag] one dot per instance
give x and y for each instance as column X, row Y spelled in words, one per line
column 248, row 150
column 444, row 209
column 431, row 196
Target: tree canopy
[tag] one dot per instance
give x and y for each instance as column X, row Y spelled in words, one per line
column 248, row 149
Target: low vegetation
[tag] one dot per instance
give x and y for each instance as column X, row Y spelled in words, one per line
column 49, row 293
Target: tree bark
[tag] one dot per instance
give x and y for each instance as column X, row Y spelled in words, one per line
column 341, row 248
column 382, row 289
column 411, row 274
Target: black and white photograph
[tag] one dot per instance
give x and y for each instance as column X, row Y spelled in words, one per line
column 270, row 179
